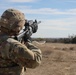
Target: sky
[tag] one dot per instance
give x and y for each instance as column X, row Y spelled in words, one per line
column 58, row 17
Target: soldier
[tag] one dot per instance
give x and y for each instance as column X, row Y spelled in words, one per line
column 15, row 56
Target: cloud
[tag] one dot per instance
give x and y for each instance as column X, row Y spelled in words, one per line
column 53, row 28
column 61, row 27
column 41, row 11
column 66, row 0
column 22, row 0
column 50, row 11
column 66, row 24
column 62, row 21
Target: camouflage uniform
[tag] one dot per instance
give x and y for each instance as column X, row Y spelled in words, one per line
column 15, row 57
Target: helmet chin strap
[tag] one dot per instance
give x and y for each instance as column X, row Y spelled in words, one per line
column 5, row 30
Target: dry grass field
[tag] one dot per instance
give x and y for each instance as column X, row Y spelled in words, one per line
column 58, row 59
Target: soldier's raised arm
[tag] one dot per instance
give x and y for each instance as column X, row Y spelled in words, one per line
column 26, row 54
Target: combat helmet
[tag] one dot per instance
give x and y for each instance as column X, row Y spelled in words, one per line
column 11, row 19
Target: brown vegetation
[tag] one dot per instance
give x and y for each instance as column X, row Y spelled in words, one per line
column 58, row 59
column 70, row 39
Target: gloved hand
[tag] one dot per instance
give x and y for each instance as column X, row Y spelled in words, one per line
column 34, row 26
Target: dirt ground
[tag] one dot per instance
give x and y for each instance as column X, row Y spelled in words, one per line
column 58, row 59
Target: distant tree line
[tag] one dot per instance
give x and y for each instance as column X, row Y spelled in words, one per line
column 70, row 39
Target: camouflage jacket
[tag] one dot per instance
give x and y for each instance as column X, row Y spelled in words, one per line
column 15, row 57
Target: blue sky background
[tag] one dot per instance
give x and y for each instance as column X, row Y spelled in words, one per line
column 58, row 17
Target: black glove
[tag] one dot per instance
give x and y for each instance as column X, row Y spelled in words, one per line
column 29, row 32
column 34, row 26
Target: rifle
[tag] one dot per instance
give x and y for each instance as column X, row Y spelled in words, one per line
column 30, row 27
